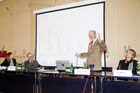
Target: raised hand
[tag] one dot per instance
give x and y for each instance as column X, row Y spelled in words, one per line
column 99, row 37
column 77, row 54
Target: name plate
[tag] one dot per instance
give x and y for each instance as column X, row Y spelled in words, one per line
column 11, row 68
column 126, row 73
column 3, row 67
column 82, row 71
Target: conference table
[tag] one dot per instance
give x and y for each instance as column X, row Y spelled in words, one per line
column 55, row 82
column 108, row 83
column 17, row 82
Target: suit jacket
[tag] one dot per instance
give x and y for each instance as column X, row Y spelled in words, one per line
column 125, row 66
column 30, row 67
column 94, row 55
column 6, row 63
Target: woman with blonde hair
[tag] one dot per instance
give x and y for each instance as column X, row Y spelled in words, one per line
column 9, row 60
column 129, row 63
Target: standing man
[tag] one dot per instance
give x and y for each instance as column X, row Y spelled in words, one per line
column 30, row 64
column 95, row 50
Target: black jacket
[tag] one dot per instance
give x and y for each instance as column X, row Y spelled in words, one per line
column 6, row 63
column 124, row 66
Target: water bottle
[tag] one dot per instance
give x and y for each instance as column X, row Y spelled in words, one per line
column 22, row 67
column 71, row 68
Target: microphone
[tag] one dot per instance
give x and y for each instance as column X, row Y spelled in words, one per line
column 77, row 62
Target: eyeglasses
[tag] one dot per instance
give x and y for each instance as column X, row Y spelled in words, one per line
column 30, row 56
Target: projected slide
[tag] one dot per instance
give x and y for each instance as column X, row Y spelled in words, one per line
column 63, row 31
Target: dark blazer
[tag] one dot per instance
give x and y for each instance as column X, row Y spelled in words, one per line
column 29, row 67
column 6, row 63
column 124, row 66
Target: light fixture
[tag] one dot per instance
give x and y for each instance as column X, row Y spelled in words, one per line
column 1, row 0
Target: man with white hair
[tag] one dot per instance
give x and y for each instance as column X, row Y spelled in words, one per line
column 95, row 50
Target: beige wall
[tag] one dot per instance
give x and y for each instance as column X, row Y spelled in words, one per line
column 17, row 26
column 122, row 28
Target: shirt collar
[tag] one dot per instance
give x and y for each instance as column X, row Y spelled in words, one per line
column 31, row 61
column 129, row 61
column 94, row 40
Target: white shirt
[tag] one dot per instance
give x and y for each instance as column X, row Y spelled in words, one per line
column 94, row 40
column 11, row 63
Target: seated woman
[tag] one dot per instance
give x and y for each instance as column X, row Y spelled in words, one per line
column 9, row 60
column 129, row 63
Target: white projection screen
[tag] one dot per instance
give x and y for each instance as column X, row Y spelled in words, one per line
column 63, row 31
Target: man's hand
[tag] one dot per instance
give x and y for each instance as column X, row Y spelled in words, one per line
column 99, row 37
column 77, row 54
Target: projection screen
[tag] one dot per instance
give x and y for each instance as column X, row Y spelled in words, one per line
column 62, row 31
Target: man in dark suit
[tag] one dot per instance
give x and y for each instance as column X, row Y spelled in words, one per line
column 30, row 64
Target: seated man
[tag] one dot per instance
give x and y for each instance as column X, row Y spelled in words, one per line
column 30, row 64
column 129, row 63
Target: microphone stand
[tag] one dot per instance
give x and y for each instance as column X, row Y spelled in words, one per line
column 77, row 62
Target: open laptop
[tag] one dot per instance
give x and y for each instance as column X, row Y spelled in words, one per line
column 62, row 64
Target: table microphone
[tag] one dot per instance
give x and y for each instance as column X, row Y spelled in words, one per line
column 77, row 62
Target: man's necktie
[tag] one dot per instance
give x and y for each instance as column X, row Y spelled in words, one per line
column 91, row 45
column 32, row 64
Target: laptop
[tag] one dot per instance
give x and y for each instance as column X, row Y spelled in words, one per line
column 62, row 64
